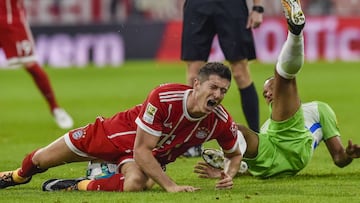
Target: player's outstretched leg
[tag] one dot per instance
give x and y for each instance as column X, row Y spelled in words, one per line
column 291, row 57
column 21, row 175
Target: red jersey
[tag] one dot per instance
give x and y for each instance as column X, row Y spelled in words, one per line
column 164, row 114
column 15, row 36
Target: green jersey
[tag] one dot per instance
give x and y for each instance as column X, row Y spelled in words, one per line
column 321, row 120
column 286, row 147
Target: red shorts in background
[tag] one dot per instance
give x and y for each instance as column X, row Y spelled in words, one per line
column 17, row 42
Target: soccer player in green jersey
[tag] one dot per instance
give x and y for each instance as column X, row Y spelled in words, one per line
column 321, row 121
column 286, row 141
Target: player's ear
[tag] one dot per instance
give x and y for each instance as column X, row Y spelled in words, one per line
column 196, row 83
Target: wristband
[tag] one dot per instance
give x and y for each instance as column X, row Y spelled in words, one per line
column 258, row 9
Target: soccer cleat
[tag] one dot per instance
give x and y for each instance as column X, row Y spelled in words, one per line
column 193, row 152
column 7, row 179
column 62, row 118
column 61, row 184
column 294, row 15
column 214, row 158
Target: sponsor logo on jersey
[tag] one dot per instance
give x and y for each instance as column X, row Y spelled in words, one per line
column 149, row 114
column 202, row 133
column 77, row 134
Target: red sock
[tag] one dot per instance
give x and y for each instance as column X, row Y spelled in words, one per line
column 41, row 80
column 28, row 169
column 114, row 183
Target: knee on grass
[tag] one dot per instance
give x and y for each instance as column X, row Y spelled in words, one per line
column 134, row 184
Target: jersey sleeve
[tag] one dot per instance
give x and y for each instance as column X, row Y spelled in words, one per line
column 151, row 114
column 228, row 139
column 328, row 121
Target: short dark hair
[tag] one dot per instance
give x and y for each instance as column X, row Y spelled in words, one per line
column 214, row 68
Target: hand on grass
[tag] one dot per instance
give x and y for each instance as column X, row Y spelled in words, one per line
column 206, row 171
column 225, row 182
column 182, row 188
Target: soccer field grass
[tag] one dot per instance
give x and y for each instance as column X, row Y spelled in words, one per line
column 26, row 124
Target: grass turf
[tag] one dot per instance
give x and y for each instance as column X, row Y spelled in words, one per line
column 26, row 124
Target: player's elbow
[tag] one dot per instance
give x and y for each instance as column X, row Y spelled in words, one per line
column 339, row 164
column 341, row 161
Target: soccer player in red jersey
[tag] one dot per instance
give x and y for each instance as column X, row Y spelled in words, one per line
column 17, row 42
column 144, row 139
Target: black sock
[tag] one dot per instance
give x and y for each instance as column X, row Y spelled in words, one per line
column 250, row 106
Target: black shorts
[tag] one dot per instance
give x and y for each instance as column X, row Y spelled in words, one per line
column 203, row 19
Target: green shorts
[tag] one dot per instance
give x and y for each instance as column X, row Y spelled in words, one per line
column 284, row 149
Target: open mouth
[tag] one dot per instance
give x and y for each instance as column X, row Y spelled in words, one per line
column 211, row 103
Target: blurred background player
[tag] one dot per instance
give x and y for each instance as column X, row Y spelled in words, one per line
column 231, row 22
column 17, row 42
